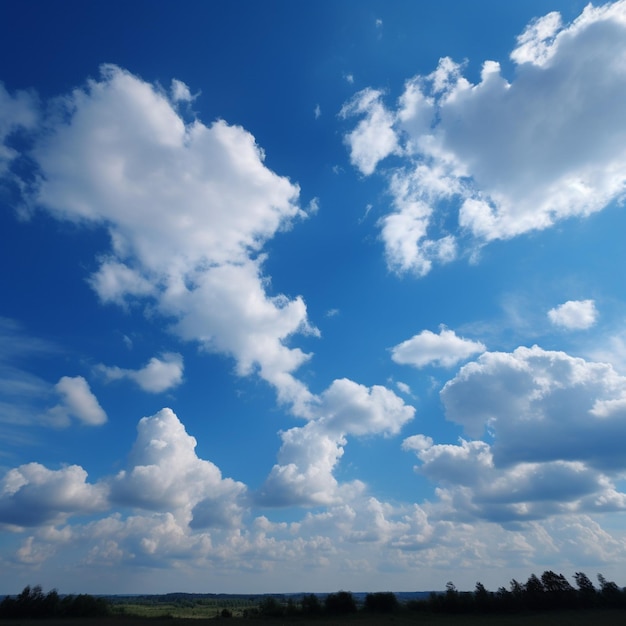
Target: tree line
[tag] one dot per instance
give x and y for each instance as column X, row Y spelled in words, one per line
column 550, row 591
column 32, row 603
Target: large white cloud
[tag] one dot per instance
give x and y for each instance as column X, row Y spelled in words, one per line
column 159, row 374
column 188, row 208
column 477, row 488
column 165, row 474
column 556, row 423
column 508, row 155
column 543, row 406
column 445, row 349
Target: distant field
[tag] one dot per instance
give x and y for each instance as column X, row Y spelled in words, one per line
column 552, row 618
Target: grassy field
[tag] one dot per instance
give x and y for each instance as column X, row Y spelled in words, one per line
column 552, row 618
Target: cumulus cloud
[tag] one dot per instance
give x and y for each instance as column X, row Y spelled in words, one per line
column 555, row 422
column 309, row 455
column 574, row 314
column 188, row 208
column 165, row 474
column 159, row 374
column 503, row 157
column 543, row 406
column 445, row 349
column 164, row 478
column 77, row 401
column 476, row 488
column 32, row 495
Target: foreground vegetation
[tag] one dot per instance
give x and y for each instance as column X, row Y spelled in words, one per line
column 549, row 599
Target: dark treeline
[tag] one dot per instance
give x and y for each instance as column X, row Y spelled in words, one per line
column 32, row 603
column 549, row 592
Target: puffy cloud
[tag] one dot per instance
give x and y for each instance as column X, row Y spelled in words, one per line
column 349, row 408
column 373, row 139
column 503, row 155
column 445, row 349
column 542, row 406
column 31, row 495
column 556, row 422
column 303, row 474
column 159, row 374
column 188, row 208
column 165, row 477
column 309, row 454
column 525, row 491
column 78, row 401
column 574, row 314
column 26, row 398
column 165, row 474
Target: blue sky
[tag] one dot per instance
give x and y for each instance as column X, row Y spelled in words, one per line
column 309, row 297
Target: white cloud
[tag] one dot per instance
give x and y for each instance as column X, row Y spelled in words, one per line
column 445, row 349
column 303, row 475
column 78, row 401
column 536, row 43
column 556, row 422
column 180, row 92
column 188, row 208
column 349, row 408
column 373, row 139
column 159, row 374
column 417, row 443
column 505, row 155
column 574, row 314
column 32, row 495
column 116, row 282
column 524, row 491
column 165, row 474
column 403, row 388
column 317, row 111
column 309, row 455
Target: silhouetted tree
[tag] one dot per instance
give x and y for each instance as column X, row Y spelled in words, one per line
column 311, row 604
column 381, row 602
column 340, row 602
column 610, row 593
column 482, row 598
column 587, row 594
column 271, row 607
